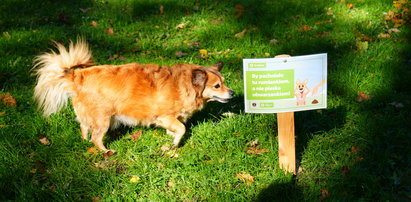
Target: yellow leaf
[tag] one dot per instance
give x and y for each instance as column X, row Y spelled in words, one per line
column 203, row 51
column 245, row 177
column 134, row 179
column 267, row 54
column 33, row 171
column 181, row 26
column 383, row 35
column 240, row 34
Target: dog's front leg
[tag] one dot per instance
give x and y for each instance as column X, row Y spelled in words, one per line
column 174, row 127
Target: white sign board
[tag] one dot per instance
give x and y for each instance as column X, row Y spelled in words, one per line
column 290, row 84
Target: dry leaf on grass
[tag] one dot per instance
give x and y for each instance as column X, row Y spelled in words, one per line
column 362, row 96
column 256, row 150
column 245, row 177
column 181, row 54
column 43, row 140
column 92, row 150
column 240, row 34
column 305, row 28
column 324, row 194
column 109, row 31
column 96, row 199
column 136, row 135
column 181, row 26
column 8, row 100
column 161, row 9
column 239, row 10
column 93, row 23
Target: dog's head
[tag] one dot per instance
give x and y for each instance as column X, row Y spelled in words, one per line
column 301, row 86
column 209, row 84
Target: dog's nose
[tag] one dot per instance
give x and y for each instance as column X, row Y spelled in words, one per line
column 231, row 93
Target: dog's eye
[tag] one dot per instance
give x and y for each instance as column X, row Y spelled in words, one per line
column 217, row 86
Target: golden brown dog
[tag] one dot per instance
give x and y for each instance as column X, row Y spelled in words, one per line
column 130, row 94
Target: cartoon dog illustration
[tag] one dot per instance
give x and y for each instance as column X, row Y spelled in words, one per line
column 301, row 92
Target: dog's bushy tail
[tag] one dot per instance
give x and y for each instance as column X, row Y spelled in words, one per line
column 54, row 77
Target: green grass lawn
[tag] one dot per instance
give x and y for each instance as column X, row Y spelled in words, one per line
column 356, row 150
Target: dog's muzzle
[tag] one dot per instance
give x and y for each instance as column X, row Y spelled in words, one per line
column 224, row 100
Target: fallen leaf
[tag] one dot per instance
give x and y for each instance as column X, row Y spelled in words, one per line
column 253, row 143
column 8, row 100
column 366, row 38
column 181, row 26
column 245, row 177
column 273, row 41
column 203, row 51
column 161, row 9
column 236, row 134
column 84, row 10
column 325, row 21
column 52, row 187
column 33, row 171
column 256, row 150
column 122, row 58
column 44, row 140
column 172, row 153
column 136, row 135
column 6, row 34
column 96, row 199
column 267, row 54
column 324, row 194
column 396, row 30
column 362, row 45
column 92, row 150
column 134, row 179
column 240, row 34
column 354, row 150
column 214, row 21
column 384, row 35
column 171, row 183
column 305, row 28
column 362, row 96
column 180, row 54
column 239, row 10
column 349, row 6
column 93, row 23
column 1, row 113
column 109, row 31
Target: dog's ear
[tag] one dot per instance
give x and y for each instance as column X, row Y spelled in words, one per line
column 199, row 79
column 305, row 81
column 218, row 66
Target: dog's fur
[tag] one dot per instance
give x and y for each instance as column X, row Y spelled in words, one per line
column 130, row 94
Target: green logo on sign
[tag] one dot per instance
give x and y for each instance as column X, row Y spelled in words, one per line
column 267, row 105
column 256, row 65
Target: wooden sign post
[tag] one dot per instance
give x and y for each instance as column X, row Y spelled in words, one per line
column 284, row 85
column 286, row 141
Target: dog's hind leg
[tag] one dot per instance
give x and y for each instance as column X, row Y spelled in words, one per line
column 174, row 127
column 99, row 129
